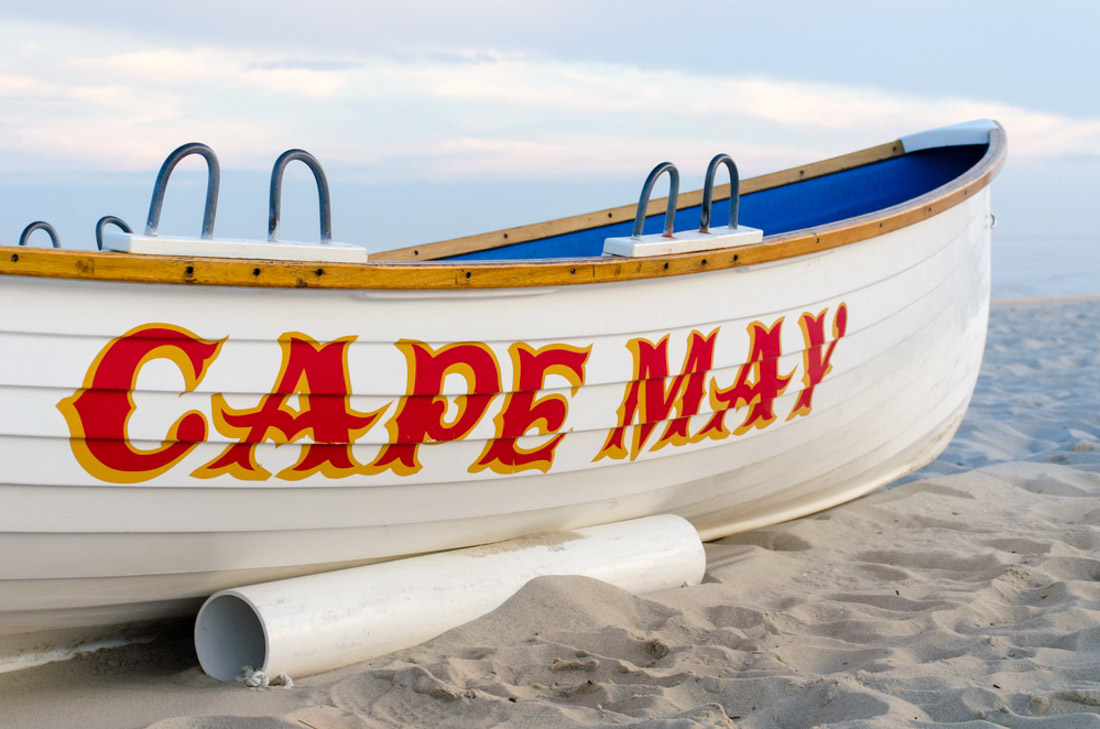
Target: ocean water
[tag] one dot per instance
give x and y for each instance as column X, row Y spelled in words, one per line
column 1033, row 266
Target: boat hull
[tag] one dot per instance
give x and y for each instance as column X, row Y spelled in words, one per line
column 877, row 379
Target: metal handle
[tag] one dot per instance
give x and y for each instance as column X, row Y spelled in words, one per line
column 708, row 191
column 105, row 221
column 647, row 190
column 213, row 179
column 277, row 192
column 39, row 225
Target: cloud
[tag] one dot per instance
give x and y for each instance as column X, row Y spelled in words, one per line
column 13, row 86
column 174, row 68
column 594, row 155
column 450, row 113
column 308, row 65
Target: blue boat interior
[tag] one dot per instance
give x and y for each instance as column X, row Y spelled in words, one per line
column 803, row 204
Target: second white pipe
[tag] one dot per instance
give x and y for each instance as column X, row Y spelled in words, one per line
column 307, row 625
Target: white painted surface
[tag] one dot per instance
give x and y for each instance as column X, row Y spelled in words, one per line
column 114, row 240
column 83, row 552
column 687, row 241
column 971, row 132
column 319, row 622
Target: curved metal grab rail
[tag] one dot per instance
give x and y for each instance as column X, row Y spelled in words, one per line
column 647, row 190
column 213, row 179
column 105, row 221
column 39, row 225
column 708, row 191
column 275, row 199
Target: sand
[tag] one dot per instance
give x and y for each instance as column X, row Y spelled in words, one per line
column 968, row 595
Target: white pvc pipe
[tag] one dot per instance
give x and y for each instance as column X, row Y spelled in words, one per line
column 307, row 625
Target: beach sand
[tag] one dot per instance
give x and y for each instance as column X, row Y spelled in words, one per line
column 967, row 595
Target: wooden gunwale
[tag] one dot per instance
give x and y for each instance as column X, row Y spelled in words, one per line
column 460, row 275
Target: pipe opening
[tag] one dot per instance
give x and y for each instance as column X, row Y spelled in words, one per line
column 228, row 635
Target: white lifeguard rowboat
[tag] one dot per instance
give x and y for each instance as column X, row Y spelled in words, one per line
column 180, row 416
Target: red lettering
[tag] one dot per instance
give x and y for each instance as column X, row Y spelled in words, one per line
column 99, row 412
column 648, row 401
column 310, row 401
column 524, row 411
column 318, row 374
column 766, row 384
column 816, row 357
column 421, row 416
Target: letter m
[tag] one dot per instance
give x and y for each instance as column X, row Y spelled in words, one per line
column 653, row 397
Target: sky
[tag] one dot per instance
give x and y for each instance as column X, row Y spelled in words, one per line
column 440, row 119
